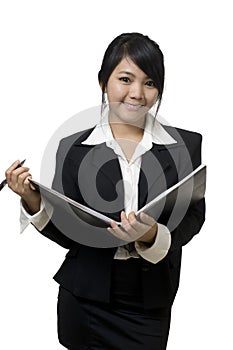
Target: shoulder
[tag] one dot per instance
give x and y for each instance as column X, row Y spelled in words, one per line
column 184, row 137
column 68, row 143
column 76, row 138
column 188, row 146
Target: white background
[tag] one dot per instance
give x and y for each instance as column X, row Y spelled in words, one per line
column 51, row 52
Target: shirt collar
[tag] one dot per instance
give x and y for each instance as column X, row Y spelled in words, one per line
column 154, row 132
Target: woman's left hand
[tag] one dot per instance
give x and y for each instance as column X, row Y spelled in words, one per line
column 132, row 229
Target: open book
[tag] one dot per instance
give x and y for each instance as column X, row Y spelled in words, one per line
column 190, row 189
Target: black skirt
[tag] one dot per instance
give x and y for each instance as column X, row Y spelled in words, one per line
column 121, row 324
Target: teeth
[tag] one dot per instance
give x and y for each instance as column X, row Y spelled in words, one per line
column 133, row 106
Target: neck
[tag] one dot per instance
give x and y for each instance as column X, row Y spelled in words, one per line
column 126, row 131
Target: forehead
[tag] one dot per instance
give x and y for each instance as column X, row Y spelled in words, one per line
column 127, row 66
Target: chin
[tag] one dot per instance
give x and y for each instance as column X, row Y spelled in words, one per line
column 136, row 119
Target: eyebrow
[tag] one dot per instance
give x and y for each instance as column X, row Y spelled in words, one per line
column 130, row 73
column 126, row 72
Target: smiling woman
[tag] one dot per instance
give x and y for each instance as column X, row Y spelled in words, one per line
column 131, row 94
column 119, row 297
column 138, row 52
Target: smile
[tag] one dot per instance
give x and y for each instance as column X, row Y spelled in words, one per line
column 132, row 107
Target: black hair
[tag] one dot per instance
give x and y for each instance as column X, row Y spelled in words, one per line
column 143, row 51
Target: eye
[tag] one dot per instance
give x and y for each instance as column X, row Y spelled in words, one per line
column 124, row 79
column 150, row 83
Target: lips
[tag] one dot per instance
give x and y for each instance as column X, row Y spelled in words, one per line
column 132, row 107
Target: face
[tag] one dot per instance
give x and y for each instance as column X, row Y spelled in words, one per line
column 131, row 93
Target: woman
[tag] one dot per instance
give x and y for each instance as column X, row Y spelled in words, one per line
column 121, row 297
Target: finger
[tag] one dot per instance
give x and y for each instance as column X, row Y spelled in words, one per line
column 132, row 217
column 119, row 232
column 116, row 227
column 138, row 226
column 20, row 170
column 13, row 165
column 113, row 224
column 143, row 227
column 147, row 219
column 123, row 216
column 22, row 184
column 11, row 168
column 16, row 183
column 126, row 225
column 124, row 220
column 132, row 214
column 32, row 187
column 17, row 176
column 135, row 224
column 126, row 231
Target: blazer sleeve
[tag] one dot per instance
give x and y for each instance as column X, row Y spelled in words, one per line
column 63, row 166
column 194, row 218
column 189, row 226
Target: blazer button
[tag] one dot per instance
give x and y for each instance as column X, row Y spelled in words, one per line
column 145, row 267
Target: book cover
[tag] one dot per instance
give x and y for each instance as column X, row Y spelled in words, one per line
column 190, row 189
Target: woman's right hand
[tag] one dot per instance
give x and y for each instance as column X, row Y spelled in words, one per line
column 17, row 180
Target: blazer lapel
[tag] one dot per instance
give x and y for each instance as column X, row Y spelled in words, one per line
column 158, row 172
column 106, row 161
column 100, row 180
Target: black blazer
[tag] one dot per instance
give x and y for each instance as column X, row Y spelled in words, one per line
column 86, row 271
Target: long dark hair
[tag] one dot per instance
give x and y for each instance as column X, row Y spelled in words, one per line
column 143, row 51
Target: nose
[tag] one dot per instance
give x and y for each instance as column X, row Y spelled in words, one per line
column 136, row 91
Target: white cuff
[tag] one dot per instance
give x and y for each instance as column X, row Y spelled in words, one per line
column 39, row 220
column 159, row 249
